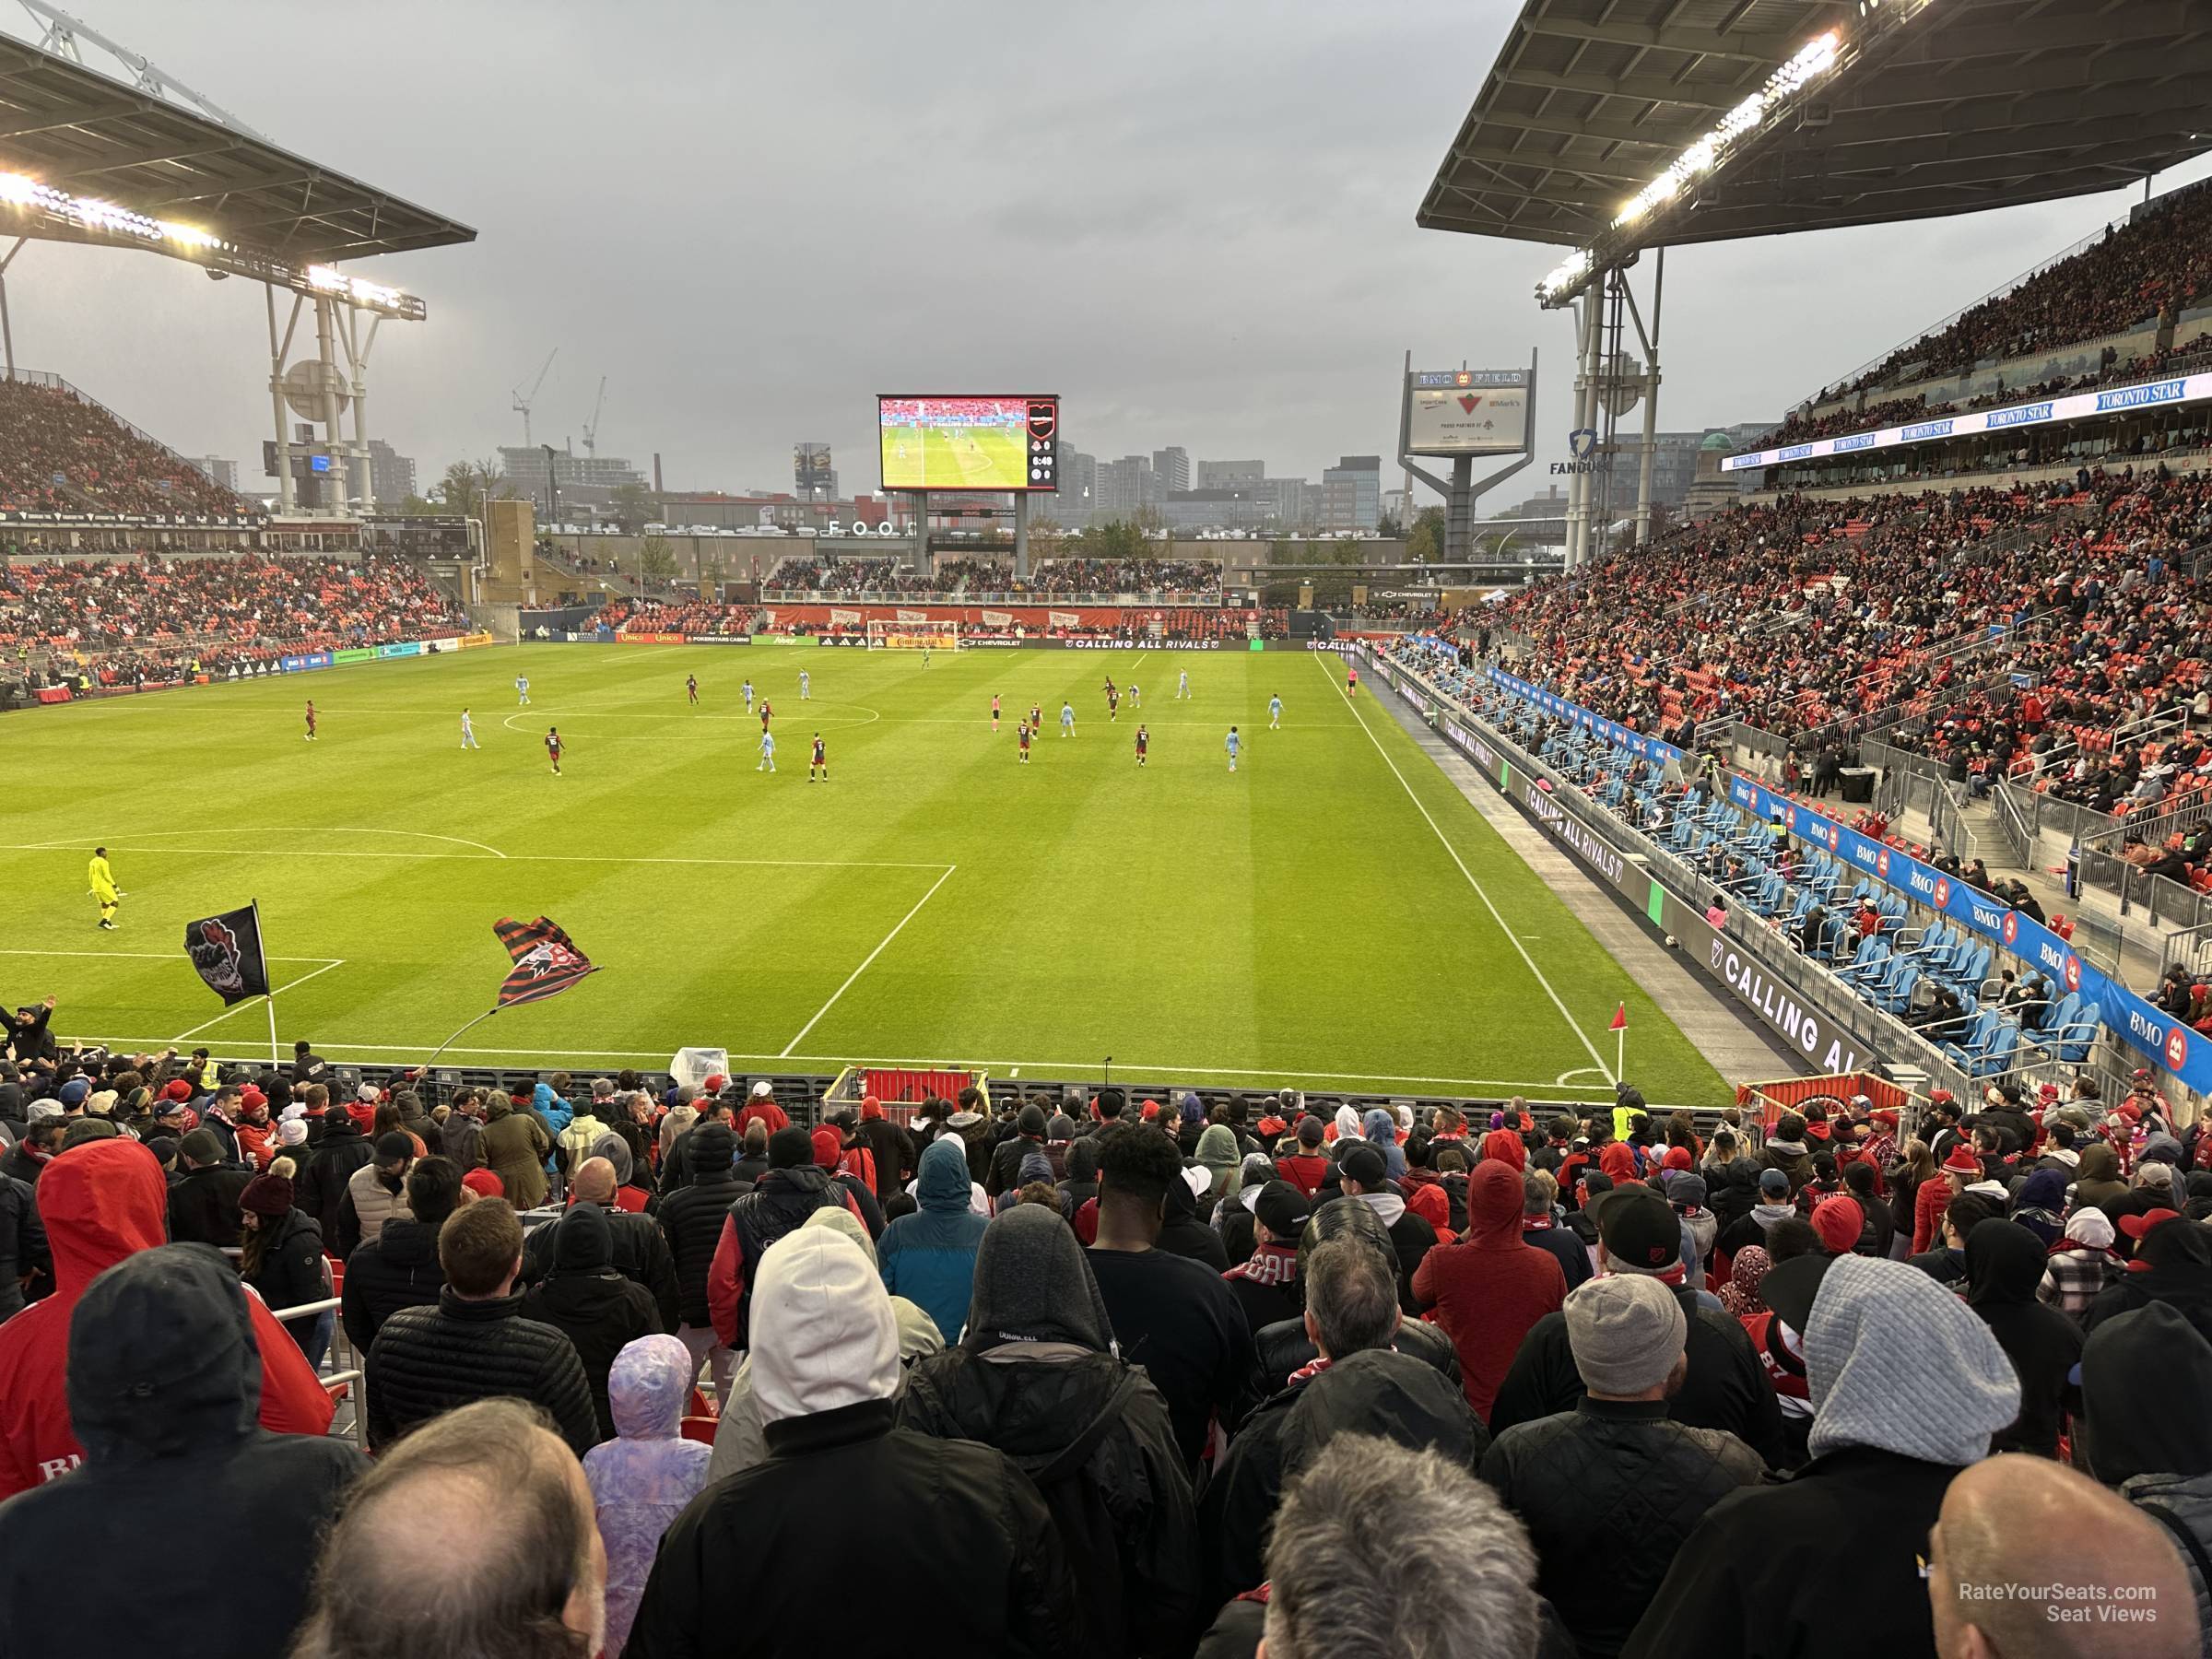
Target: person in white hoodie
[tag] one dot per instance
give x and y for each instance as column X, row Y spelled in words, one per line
column 826, row 1375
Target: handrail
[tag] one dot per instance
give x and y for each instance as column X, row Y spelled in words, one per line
column 958, row 597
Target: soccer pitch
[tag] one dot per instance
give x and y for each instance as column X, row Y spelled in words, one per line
column 934, row 457
column 1334, row 914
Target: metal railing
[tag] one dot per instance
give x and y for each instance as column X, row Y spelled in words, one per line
column 2013, row 828
column 972, row 596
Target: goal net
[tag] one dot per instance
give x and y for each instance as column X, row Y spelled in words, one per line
column 912, row 636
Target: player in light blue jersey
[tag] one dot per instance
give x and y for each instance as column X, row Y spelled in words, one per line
column 1067, row 719
column 806, row 684
column 1233, row 743
column 749, row 697
column 768, row 751
column 1275, row 713
column 468, row 733
column 522, row 690
column 1183, row 684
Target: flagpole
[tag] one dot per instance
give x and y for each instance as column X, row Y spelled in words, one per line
column 456, row 1037
column 271, row 1000
column 1620, row 1052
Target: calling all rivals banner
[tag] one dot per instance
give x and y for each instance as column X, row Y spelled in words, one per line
column 2149, row 1030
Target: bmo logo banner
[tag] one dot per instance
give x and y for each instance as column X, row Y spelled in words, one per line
column 2012, row 925
column 1943, row 892
column 1835, row 837
column 2177, row 1048
column 1881, row 864
column 2072, row 971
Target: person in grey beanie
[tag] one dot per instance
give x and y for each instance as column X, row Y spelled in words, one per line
column 1907, row 1386
column 1036, row 1376
column 1570, row 1477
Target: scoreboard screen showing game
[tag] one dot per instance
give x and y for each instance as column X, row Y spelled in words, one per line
column 970, row 442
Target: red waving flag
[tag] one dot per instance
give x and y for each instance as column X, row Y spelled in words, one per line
column 1620, row 1018
column 547, row 961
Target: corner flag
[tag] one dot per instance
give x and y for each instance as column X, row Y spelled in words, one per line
column 1620, row 1018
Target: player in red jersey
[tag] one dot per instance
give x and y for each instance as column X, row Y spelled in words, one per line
column 765, row 712
column 1144, row 739
column 553, row 747
column 1025, row 742
column 311, row 720
column 821, row 760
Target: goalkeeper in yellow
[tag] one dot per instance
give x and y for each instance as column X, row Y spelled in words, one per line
column 102, row 880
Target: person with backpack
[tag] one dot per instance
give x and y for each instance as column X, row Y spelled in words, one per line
column 1036, row 1377
column 794, row 1188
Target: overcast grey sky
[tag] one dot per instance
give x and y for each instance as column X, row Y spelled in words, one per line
column 1191, row 219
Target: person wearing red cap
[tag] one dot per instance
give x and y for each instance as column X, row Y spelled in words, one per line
column 257, row 1134
column 891, row 1147
column 1839, row 1221
column 1960, row 1170
column 484, row 1182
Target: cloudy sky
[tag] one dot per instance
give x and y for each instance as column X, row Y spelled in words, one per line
column 1191, row 219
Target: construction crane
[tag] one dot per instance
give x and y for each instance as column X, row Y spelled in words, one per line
column 591, row 426
column 524, row 400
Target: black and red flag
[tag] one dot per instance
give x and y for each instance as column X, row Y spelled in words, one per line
column 228, row 952
column 547, row 961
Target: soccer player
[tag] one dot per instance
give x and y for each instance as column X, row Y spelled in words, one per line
column 925, row 656
column 1352, row 680
column 1275, row 713
column 1233, row 744
column 1036, row 718
column 1113, row 705
column 553, row 747
column 766, row 713
column 1024, row 735
column 692, row 687
column 749, row 697
column 102, row 880
column 1135, row 700
column 468, row 733
column 1183, row 684
column 995, row 711
column 522, row 690
column 820, row 759
column 1067, row 719
column 311, row 720
column 1144, row 739
column 806, row 685
column 767, row 749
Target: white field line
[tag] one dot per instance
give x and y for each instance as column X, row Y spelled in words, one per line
column 459, row 841
column 242, row 1007
column 589, row 858
column 1285, row 1074
column 1579, row 1036
column 872, row 955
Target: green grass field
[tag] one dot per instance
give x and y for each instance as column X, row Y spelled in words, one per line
column 1334, row 914
column 984, row 458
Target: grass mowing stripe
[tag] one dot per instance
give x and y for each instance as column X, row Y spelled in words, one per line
column 865, row 960
column 1588, row 1047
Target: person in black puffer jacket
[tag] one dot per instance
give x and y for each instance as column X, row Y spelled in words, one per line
column 1731, row 1180
column 1036, row 1377
column 22, row 1243
column 692, row 1219
column 794, row 1188
column 473, row 1345
column 322, row 1177
column 398, row 1268
column 1615, row 1479
column 282, row 1258
column 589, row 1300
column 1358, row 1384
column 203, row 1202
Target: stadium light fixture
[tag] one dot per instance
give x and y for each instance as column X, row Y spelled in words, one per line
column 88, row 218
column 1816, row 59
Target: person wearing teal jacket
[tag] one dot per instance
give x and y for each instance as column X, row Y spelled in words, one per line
column 929, row 1257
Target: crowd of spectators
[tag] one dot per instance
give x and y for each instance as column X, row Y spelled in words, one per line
column 1180, row 580
column 151, row 614
column 1806, row 614
column 2159, row 264
column 1164, row 1376
column 679, row 617
column 47, row 433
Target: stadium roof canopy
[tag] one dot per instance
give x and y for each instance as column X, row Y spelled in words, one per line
column 75, row 130
column 1921, row 107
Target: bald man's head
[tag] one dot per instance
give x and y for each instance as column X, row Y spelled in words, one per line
column 595, row 1181
column 473, row 1534
column 2030, row 1560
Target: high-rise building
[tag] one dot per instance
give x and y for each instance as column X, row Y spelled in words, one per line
column 1077, row 496
column 1396, row 505
column 525, row 468
column 1351, row 495
column 391, row 474
column 221, row 471
column 1229, row 474
column 1173, row 468
column 1126, row 488
column 813, row 478
column 1292, row 500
